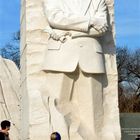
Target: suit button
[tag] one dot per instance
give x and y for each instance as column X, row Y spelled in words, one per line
column 81, row 46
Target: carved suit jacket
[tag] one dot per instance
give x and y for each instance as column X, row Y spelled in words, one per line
column 74, row 16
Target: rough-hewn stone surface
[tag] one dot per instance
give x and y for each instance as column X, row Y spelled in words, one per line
column 10, row 96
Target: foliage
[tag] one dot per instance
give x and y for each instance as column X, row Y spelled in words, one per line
column 128, row 63
column 129, row 104
column 11, row 49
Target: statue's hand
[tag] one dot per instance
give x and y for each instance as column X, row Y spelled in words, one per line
column 96, row 32
column 99, row 25
column 55, row 36
column 52, row 33
column 60, row 37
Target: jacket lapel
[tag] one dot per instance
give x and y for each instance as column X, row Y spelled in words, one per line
column 86, row 3
column 84, row 6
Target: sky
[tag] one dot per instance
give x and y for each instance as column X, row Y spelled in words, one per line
column 127, row 19
column 127, row 22
column 9, row 19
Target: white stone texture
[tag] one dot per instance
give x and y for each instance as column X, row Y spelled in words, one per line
column 33, row 46
column 10, row 96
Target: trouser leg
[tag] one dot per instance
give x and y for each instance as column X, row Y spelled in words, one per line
column 74, row 101
column 56, row 97
column 89, row 98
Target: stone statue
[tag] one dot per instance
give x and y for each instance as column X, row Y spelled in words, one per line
column 74, row 63
column 68, row 70
column 9, row 95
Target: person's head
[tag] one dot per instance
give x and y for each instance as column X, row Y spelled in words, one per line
column 5, row 125
column 55, row 136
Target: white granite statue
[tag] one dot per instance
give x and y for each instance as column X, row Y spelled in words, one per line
column 75, row 67
column 9, row 96
column 75, row 93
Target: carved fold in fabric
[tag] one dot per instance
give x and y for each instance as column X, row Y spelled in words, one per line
column 66, row 113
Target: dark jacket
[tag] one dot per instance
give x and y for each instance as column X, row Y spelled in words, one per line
column 2, row 136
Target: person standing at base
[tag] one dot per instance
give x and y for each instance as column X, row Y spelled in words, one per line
column 2, row 137
column 55, row 136
column 5, row 127
column 137, row 137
